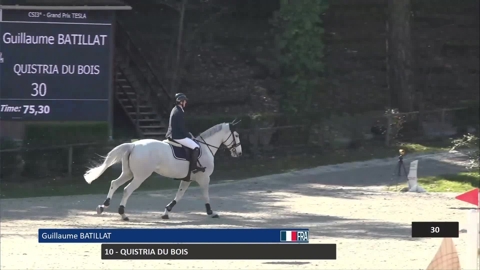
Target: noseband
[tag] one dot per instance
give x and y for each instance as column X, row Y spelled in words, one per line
column 232, row 147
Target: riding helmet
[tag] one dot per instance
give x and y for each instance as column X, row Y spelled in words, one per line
column 180, row 97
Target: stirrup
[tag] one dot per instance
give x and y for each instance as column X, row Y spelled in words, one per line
column 198, row 169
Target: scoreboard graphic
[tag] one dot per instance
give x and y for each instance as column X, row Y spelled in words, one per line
column 196, row 244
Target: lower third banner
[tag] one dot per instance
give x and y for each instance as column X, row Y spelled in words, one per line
column 219, row 252
column 237, row 235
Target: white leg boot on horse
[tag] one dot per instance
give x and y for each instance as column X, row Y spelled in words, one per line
column 180, row 192
column 204, row 185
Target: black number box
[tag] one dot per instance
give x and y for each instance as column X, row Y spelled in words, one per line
column 434, row 229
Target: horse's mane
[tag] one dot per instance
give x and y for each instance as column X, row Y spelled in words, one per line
column 212, row 131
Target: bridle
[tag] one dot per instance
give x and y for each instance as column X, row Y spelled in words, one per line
column 232, row 147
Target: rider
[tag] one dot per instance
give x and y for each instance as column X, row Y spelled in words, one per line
column 177, row 131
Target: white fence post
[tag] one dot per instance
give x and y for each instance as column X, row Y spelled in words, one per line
column 473, row 242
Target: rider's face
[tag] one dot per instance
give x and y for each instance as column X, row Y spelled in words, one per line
column 184, row 103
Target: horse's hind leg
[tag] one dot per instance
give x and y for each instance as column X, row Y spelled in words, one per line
column 181, row 190
column 127, row 191
column 114, row 185
column 204, row 185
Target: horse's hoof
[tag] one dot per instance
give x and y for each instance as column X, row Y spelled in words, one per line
column 125, row 219
column 215, row 216
column 165, row 217
column 100, row 209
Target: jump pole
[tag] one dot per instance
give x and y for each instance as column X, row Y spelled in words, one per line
column 473, row 242
column 473, row 229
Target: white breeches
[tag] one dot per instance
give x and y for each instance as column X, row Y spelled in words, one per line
column 187, row 142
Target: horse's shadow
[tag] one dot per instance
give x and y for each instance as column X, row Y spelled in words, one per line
column 287, row 263
column 181, row 219
column 194, row 219
column 463, row 208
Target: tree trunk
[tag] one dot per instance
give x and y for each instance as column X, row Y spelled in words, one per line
column 400, row 70
column 176, row 67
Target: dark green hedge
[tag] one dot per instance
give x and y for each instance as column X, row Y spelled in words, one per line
column 47, row 134
column 200, row 124
column 468, row 117
column 40, row 163
column 7, row 159
column 280, row 137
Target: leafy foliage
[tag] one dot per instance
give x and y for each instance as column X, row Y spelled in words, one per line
column 471, row 143
column 300, row 46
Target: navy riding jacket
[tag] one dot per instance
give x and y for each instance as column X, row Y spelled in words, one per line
column 176, row 127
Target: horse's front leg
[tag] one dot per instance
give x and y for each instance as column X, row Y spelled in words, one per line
column 204, row 183
column 181, row 190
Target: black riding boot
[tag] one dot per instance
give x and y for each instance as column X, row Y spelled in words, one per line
column 193, row 161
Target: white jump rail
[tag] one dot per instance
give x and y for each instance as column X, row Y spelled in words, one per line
column 473, row 240
column 473, row 244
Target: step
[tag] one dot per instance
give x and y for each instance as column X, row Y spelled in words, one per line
column 133, row 112
column 143, row 113
column 129, row 93
column 150, row 120
column 153, row 127
column 141, row 107
column 125, row 94
column 123, row 99
column 131, row 97
column 121, row 87
column 154, row 134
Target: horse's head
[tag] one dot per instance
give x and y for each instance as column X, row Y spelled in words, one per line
column 232, row 140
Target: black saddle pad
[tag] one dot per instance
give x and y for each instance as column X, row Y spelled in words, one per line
column 180, row 153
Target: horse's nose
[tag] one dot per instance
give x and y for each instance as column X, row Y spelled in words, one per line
column 240, row 154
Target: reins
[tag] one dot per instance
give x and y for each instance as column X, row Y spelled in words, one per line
column 231, row 146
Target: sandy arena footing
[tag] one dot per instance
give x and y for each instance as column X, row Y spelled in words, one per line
column 371, row 227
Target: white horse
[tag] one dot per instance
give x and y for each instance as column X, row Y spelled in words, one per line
column 143, row 157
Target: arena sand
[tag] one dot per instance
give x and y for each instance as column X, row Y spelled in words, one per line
column 371, row 227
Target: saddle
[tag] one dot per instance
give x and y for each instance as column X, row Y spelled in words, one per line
column 174, row 143
column 184, row 153
column 179, row 151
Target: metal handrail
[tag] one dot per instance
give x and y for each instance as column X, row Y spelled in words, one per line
column 136, row 104
column 149, row 66
column 160, row 105
column 139, row 57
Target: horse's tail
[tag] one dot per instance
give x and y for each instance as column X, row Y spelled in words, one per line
column 114, row 156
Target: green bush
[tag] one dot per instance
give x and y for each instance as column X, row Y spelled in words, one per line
column 469, row 143
column 300, row 47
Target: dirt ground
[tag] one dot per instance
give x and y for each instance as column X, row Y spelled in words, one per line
column 371, row 227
